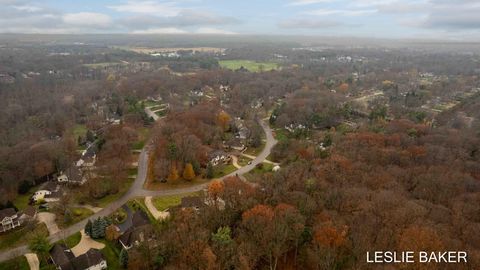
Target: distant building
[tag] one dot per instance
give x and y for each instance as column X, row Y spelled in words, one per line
column 8, row 219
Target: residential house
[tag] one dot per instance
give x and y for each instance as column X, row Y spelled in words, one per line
column 140, row 231
column 63, row 259
column 8, row 219
column 194, row 202
column 49, row 193
column 88, row 158
column 218, row 157
column 28, row 214
column 235, row 143
column 73, row 175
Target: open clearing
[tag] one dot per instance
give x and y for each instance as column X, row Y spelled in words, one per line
column 250, row 65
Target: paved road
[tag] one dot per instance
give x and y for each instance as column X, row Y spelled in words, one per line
column 137, row 190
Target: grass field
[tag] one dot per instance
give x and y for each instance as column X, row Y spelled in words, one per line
column 161, row 113
column 123, row 188
column 72, row 240
column 250, row 65
column 19, row 263
column 152, row 103
column 162, row 203
column 143, row 135
column 222, row 170
column 111, row 253
column 79, row 130
column 77, row 214
column 21, row 201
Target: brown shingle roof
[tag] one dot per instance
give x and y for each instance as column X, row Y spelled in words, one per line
column 8, row 212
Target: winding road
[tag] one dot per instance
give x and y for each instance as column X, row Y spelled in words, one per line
column 137, row 190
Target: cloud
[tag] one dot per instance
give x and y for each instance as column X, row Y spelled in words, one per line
column 300, row 23
column 214, row 31
column 307, row 2
column 184, row 18
column 166, row 30
column 341, row 12
column 88, row 19
column 28, row 8
column 163, row 9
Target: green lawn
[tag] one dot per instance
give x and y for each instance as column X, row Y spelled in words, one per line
column 143, row 135
column 281, row 134
column 164, row 202
column 21, row 235
column 111, row 253
column 19, row 263
column 266, row 167
column 255, row 151
column 77, row 214
column 132, row 172
column 161, row 113
column 72, row 240
column 21, row 201
column 250, row 65
column 151, row 103
column 80, row 130
column 222, row 170
column 243, row 161
column 123, row 188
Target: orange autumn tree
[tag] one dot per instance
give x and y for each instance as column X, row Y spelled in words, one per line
column 419, row 238
column 173, row 175
column 328, row 235
column 343, row 87
column 215, row 189
column 223, row 119
column 188, row 172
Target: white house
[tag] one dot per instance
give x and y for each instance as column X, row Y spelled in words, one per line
column 219, row 157
column 49, row 193
column 8, row 219
column 40, row 195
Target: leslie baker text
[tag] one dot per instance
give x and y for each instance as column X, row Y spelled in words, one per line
column 417, row 257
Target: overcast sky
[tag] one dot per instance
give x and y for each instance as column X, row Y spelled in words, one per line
column 431, row 19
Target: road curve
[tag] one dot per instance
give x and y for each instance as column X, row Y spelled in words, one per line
column 137, row 190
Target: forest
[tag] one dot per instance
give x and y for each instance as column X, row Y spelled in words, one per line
column 378, row 148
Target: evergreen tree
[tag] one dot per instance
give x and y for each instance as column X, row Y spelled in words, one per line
column 223, row 236
column 123, row 258
column 97, row 229
column 88, row 228
column 102, row 227
column 196, row 167
column 210, row 173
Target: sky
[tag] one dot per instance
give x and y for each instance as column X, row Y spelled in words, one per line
column 413, row 19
